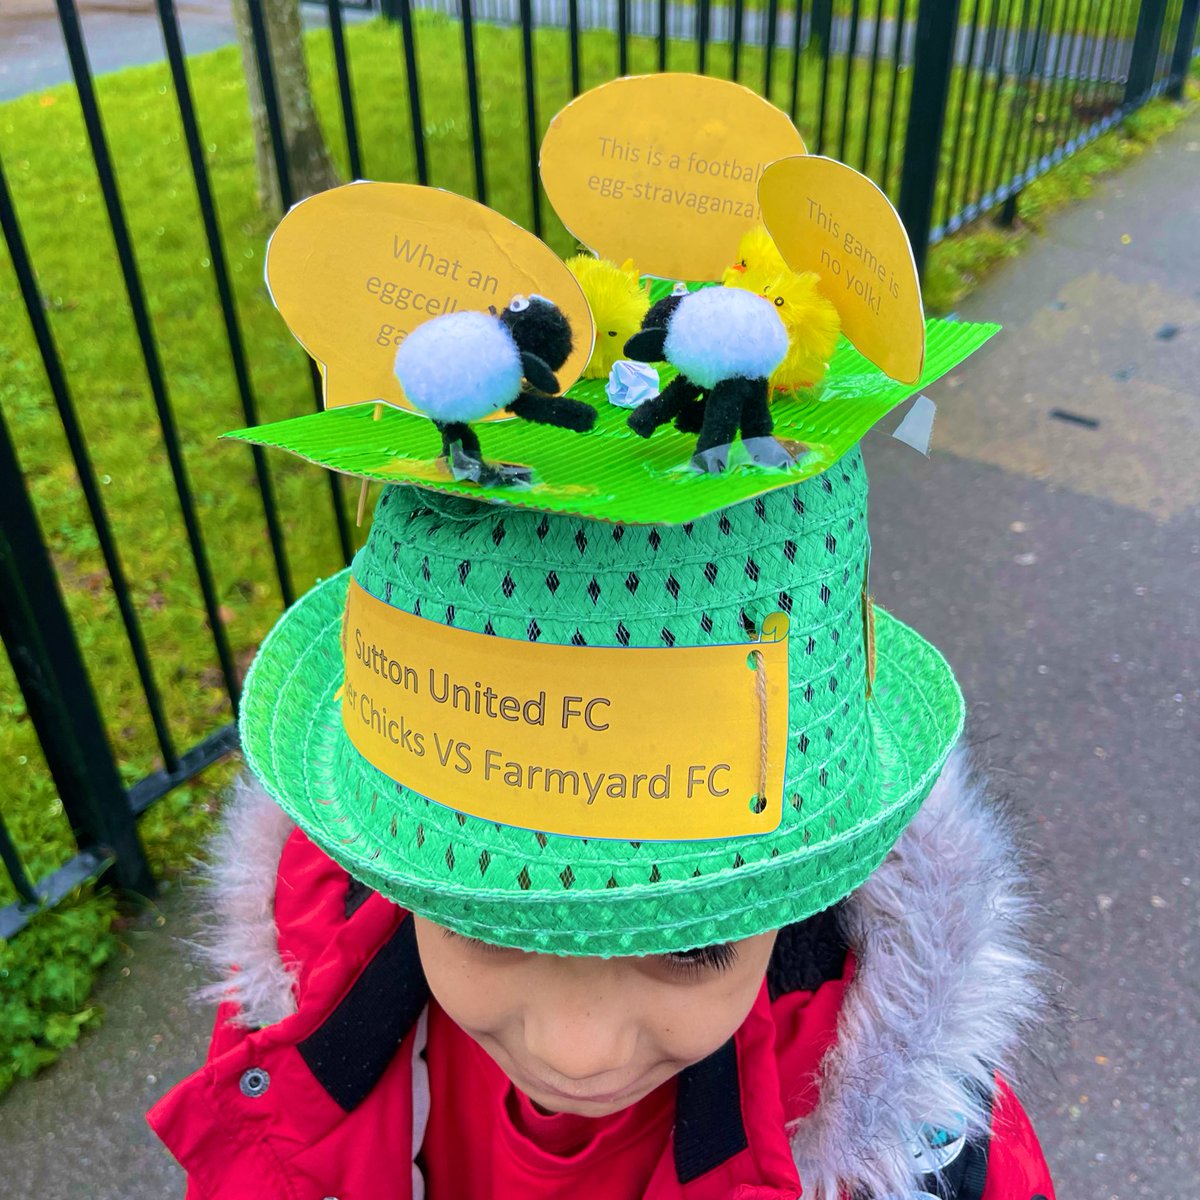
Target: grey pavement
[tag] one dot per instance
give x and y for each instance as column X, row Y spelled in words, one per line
column 1057, row 564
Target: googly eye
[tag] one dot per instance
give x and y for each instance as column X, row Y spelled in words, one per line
column 518, row 304
column 680, row 289
column 778, row 301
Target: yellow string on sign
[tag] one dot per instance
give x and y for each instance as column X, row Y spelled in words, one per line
column 760, row 690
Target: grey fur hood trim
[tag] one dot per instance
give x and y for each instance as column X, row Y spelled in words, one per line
column 239, row 936
column 943, row 995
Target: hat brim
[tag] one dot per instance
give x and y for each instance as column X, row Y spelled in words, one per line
column 518, row 888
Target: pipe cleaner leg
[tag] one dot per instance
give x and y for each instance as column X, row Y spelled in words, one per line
column 648, row 416
column 722, row 412
column 560, row 411
column 758, row 428
column 461, row 449
column 460, row 433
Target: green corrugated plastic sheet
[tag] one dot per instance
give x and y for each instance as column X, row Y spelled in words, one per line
column 610, row 473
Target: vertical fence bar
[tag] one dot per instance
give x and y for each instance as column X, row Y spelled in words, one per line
column 173, row 42
column 287, row 196
column 266, row 77
column 408, row 37
column 994, row 51
column 1020, row 99
column 851, row 50
column 1002, row 21
column 60, row 389
column 872, row 84
column 1146, row 42
column 21, row 882
column 1045, row 95
column 531, row 126
column 1098, row 97
column 1185, row 44
column 702, row 18
column 1059, row 86
column 739, row 16
column 797, row 44
column 933, row 59
column 341, row 61
column 622, row 37
column 36, row 630
column 769, row 53
column 1040, row 49
column 1112, row 52
column 471, row 68
column 1092, row 64
column 1162, row 66
column 956, row 139
column 885, row 181
column 77, row 54
column 662, row 35
column 822, row 35
column 1070, row 84
column 573, row 45
column 821, row 26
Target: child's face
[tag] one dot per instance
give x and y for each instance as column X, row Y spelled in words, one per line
column 592, row 1035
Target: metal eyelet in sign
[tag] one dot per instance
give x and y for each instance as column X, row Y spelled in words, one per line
column 254, row 1082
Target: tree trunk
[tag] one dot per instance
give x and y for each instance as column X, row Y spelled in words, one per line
column 310, row 168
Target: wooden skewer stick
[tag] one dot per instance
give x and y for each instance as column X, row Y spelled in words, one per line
column 366, row 483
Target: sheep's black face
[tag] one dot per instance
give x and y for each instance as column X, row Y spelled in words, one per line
column 660, row 312
column 540, row 328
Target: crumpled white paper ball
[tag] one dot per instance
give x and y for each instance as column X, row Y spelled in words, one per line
column 631, row 383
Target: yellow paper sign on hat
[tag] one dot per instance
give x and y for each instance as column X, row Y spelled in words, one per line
column 356, row 269
column 826, row 217
column 664, row 169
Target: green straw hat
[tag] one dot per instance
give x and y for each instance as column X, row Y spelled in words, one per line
column 862, row 753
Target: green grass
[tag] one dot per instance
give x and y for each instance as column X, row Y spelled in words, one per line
column 47, row 971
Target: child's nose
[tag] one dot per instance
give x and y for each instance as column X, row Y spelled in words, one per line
column 581, row 1037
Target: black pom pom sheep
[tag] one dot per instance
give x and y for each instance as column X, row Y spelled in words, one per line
column 725, row 343
column 461, row 367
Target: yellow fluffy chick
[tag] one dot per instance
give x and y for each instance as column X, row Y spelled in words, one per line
column 812, row 324
column 618, row 303
column 756, row 253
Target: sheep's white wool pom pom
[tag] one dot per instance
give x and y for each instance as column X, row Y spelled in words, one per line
column 725, row 333
column 459, row 367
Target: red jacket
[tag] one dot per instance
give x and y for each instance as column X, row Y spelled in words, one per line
column 314, row 1087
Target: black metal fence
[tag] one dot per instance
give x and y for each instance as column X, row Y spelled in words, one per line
column 952, row 106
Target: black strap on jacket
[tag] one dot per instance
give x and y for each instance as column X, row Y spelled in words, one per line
column 353, row 1046
column 709, row 1125
column 709, row 1129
